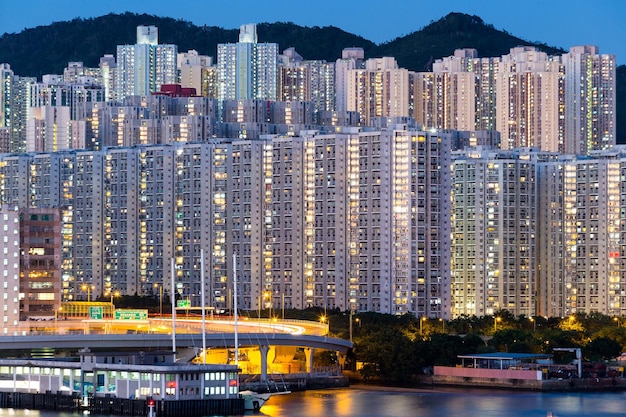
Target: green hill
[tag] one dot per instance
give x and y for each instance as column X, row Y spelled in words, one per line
column 439, row 39
column 87, row 40
column 48, row 49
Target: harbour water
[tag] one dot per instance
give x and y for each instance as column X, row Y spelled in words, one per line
column 379, row 402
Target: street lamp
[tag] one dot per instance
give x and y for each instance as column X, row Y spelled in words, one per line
column 160, row 298
column 324, row 320
column 443, row 324
column 617, row 321
column 422, row 320
column 495, row 323
column 534, row 322
column 116, row 294
column 86, row 287
column 356, row 320
column 282, row 303
column 267, row 301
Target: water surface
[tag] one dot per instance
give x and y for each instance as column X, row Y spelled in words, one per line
column 391, row 402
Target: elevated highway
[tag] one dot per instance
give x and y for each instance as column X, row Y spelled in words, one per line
column 152, row 341
column 266, row 344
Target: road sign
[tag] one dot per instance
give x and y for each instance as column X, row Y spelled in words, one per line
column 95, row 312
column 121, row 314
column 183, row 303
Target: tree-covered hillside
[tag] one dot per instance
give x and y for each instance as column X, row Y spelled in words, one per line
column 48, row 49
column 417, row 50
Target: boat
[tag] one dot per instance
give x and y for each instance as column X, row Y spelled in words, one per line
column 253, row 401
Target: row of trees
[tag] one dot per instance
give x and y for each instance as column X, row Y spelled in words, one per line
column 398, row 348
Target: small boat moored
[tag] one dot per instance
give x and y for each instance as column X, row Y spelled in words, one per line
column 253, row 401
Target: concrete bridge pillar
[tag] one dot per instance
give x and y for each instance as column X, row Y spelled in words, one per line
column 308, row 355
column 341, row 358
column 263, row 350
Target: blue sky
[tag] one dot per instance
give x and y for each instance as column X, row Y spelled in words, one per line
column 561, row 23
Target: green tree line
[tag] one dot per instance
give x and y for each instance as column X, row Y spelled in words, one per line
column 399, row 348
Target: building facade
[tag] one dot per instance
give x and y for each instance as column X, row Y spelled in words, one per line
column 127, row 212
column 381, row 89
column 142, row 68
column 493, row 232
column 10, row 277
column 589, row 100
column 39, row 263
column 247, row 69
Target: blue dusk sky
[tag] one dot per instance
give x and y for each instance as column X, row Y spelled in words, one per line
column 560, row 23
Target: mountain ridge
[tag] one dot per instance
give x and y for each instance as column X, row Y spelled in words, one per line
column 87, row 40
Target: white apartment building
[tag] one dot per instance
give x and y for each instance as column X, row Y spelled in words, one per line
column 48, row 129
column 53, row 91
column 561, row 103
column 589, row 100
column 14, row 104
column 108, row 68
column 143, row 67
column 381, row 89
column 349, row 220
column 311, row 81
column 493, row 232
column 445, row 100
column 6, row 79
column 247, row 69
column 351, row 58
column 10, row 276
column 529, row 96
column 583, row 201
column 463, row 92
column 190, row 68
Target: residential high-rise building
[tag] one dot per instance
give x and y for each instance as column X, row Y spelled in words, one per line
column 108, row 68
column 53, row 91
column 560, row 103
column 351, row 58
column 191, row 66
column 247, row 69
column 6, row 81
column 143, row 67
column 75, row 71
column 209, row 82
column 10, row 279
column 55, row 109
column 582, row 201
column 39, row 262
column 589, row 100
column 5, row 140
column 48, row 129
column 530, row 96
column 445, row 100
column 460, row 93
column 312, row 81
column 494, row 231
column 128, row 211
column 381, row 89
column 14, row 98
column 20, row 109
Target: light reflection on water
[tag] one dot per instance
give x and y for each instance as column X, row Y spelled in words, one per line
column 440, row 403
column 377, row 402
